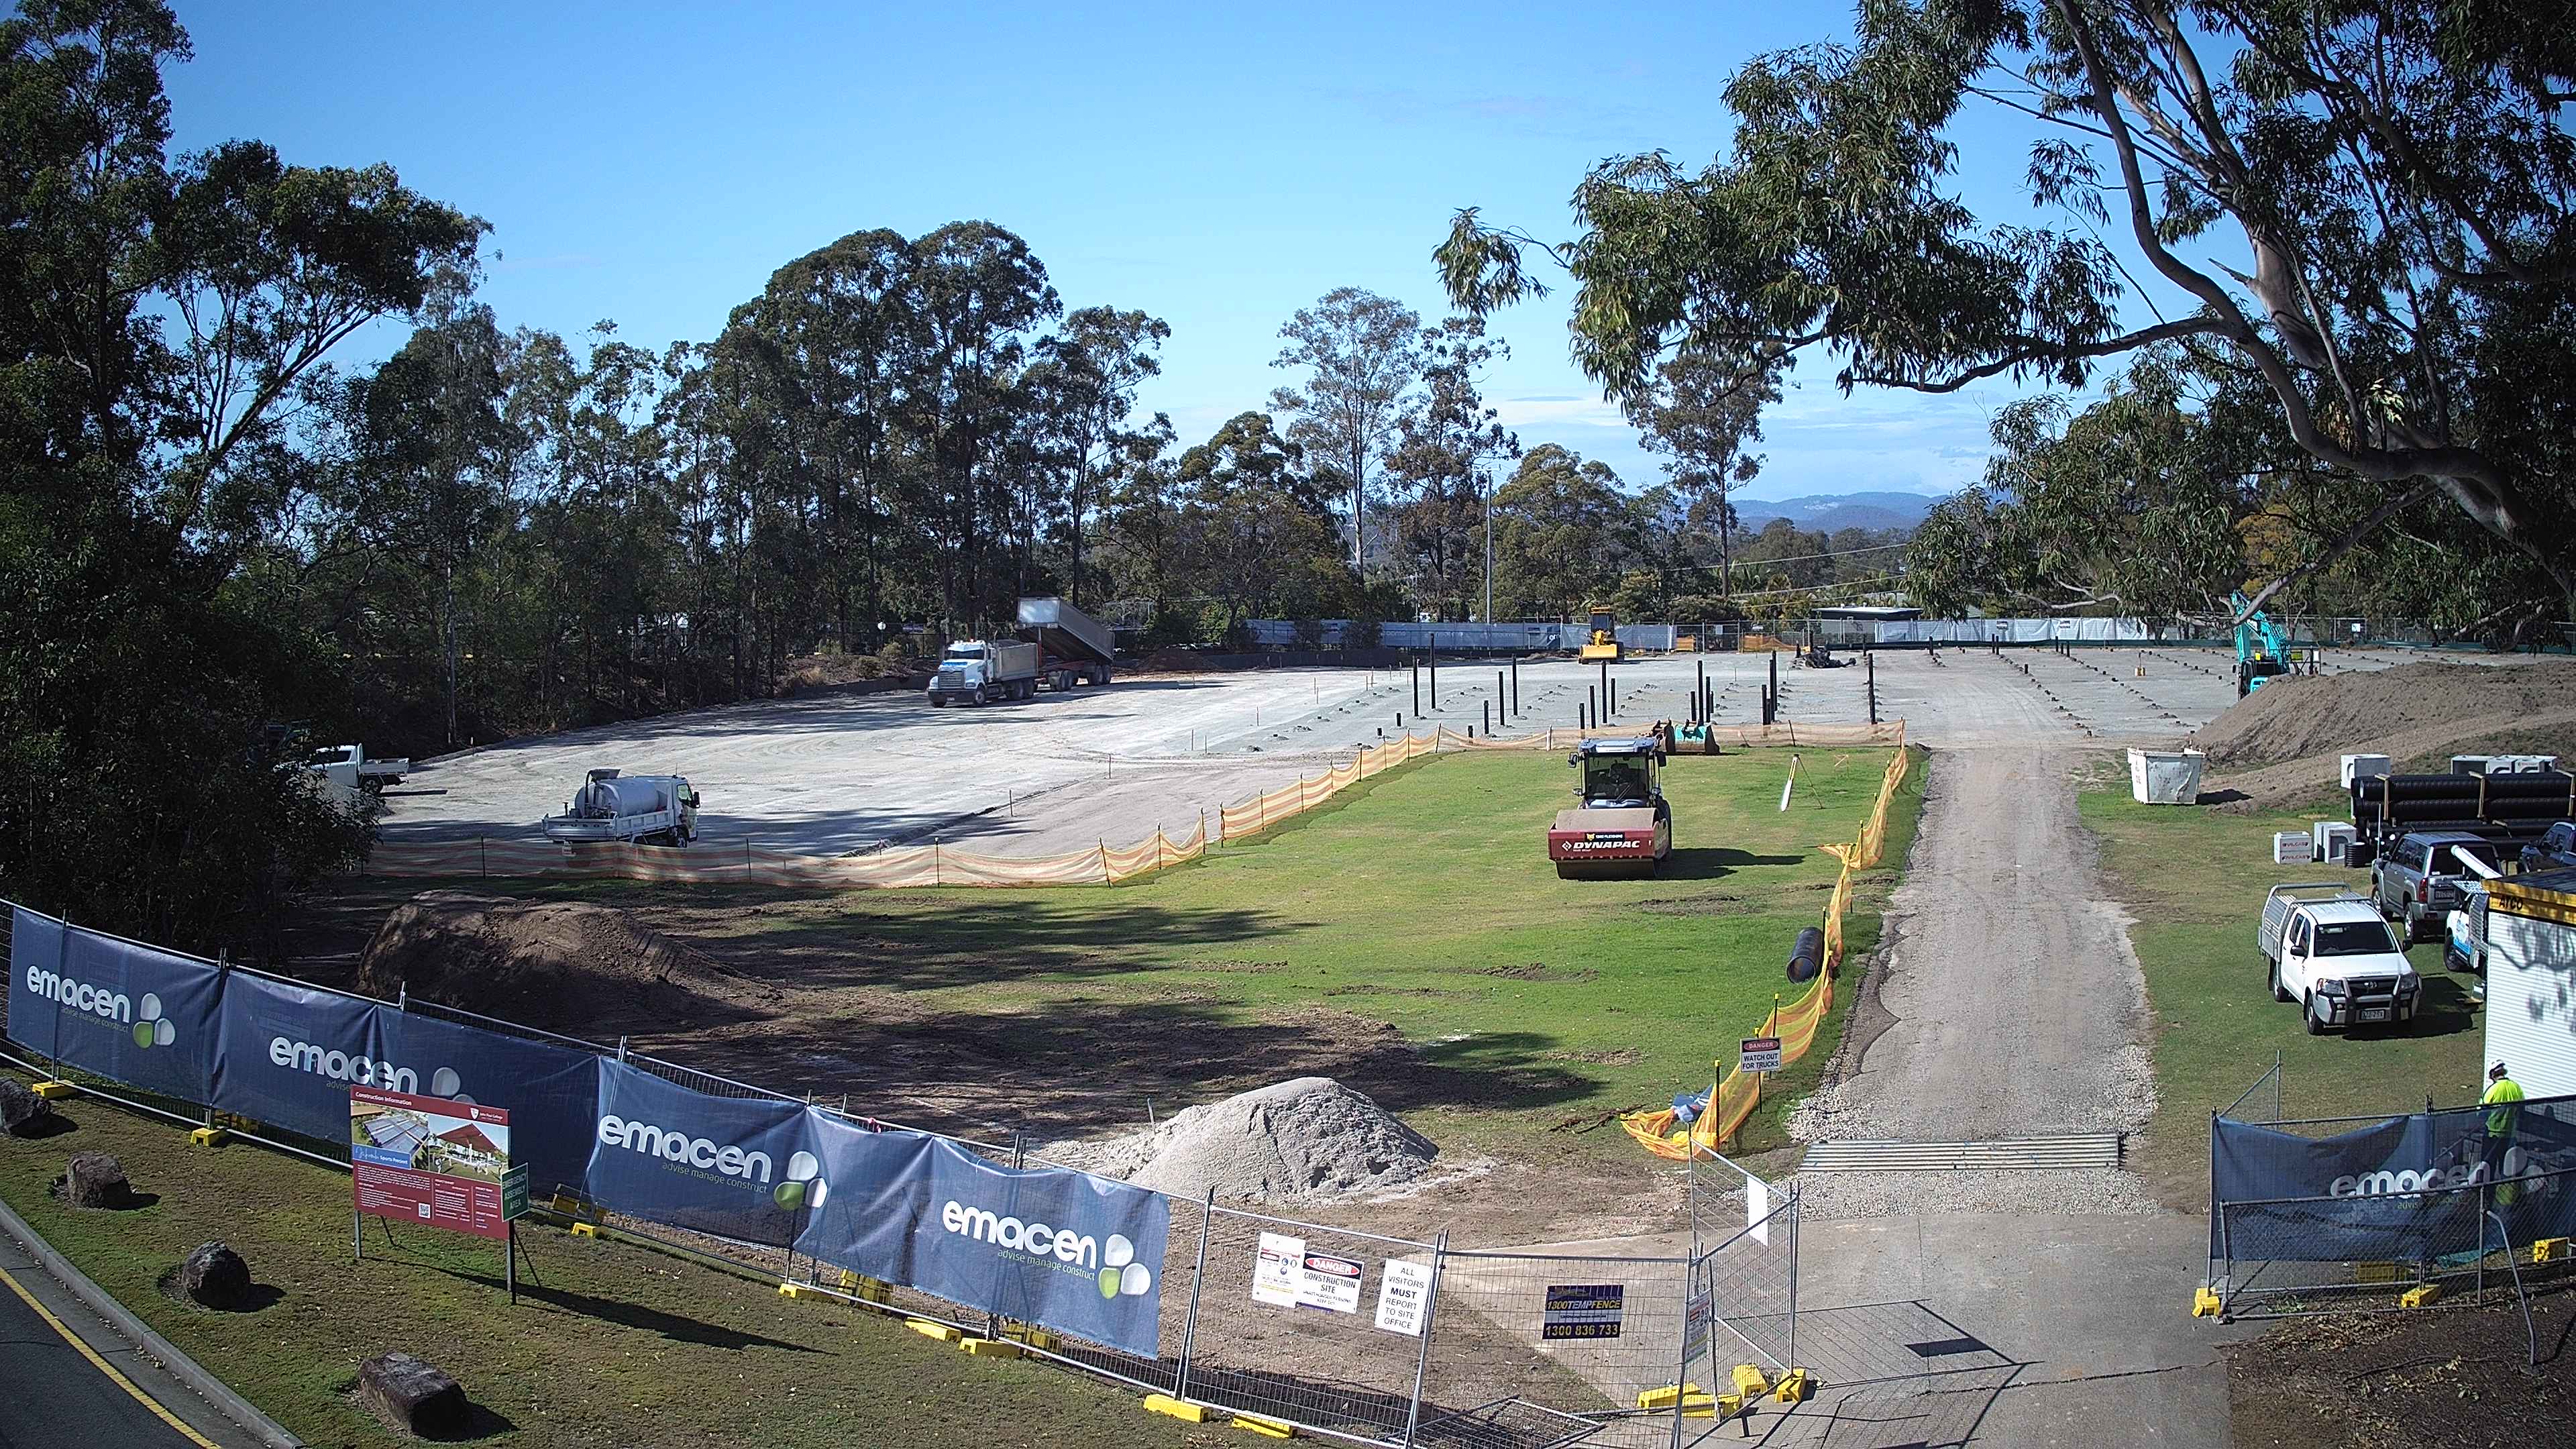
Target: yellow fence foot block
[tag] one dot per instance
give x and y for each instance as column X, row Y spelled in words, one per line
column 55, row 1091
column 1795, row 1387
column 794, row 1290
column 928, row 1329
column 2550, row 1250
column 1180, row 1409
column 1037, row 1338
column 990, row 1347
column 209, row 1136
column 1751, row 1380
column 2205, row 1302
column 584, row 1230
column 1266, row 1428
column 1663, row 1398
column 2418, row 1296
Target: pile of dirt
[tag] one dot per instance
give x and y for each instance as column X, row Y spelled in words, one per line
column 2298, row 718
column 1307, row 1140
column 565, row 965
column 2455, row 1375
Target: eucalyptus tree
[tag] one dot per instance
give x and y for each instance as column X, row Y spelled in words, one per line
column 1362, row 354
column 1092, row 368
column 2353, row 202
column 1446, row 445
column 1703, row 411
column 163, row 321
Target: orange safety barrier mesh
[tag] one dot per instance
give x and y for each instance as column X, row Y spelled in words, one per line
column 1738, row 1092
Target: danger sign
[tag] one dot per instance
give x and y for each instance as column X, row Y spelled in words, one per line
column 1761, row 1054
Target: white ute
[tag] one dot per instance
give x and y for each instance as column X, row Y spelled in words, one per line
column 2336, row 957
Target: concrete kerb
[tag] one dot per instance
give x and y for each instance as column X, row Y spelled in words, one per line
column 152, row 1345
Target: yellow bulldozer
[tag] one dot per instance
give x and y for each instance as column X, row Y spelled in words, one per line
column 1603, row 640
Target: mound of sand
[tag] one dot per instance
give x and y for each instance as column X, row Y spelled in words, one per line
column 1307, row 1140
column 559, row 964
column 2299, row 719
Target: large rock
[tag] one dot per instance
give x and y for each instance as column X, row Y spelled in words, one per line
column 22, row 1112
column 96, row 1180
column 216, row 1276
column 412, row 1396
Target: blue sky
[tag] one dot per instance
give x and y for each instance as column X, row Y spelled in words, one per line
column 1216, row 166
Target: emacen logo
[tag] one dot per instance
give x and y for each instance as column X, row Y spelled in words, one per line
column 303, row 1056
column 803, row 1186
column 151, row 1028
column 1118, row 1274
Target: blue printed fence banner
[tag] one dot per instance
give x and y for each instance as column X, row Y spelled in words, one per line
column 1050, row 1246
column 1062, row 1249
column 134, row 1013
column 736, row 1167
column 2385, row 1190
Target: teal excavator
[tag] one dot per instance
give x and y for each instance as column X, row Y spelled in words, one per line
column 2260, row 653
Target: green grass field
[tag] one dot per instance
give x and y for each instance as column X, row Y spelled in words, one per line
column 610, row 1344
column 1423, row 899
column 2194, row 880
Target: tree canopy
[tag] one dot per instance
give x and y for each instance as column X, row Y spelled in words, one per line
column 2363, row 209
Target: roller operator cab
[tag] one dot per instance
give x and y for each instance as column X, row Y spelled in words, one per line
column 1620, row 824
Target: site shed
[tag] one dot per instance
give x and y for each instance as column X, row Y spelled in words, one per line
column 2531, row 979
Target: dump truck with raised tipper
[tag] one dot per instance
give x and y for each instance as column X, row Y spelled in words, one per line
column 613, row 807
column 1073, row 647
column 1620, row 824
column 2327, row 949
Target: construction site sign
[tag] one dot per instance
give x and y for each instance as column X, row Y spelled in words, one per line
column 1761, row 1054
column 1583, row 1310
column 429, row 1160
column 1403, row 1292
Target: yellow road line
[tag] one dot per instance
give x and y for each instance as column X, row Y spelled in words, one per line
column 103, row 1366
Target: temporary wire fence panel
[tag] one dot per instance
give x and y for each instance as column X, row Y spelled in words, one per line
column 1300, row 1321
column 1579, row 1336
column 1743, row 1283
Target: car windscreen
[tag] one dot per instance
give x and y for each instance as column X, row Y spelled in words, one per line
column 2354, row 938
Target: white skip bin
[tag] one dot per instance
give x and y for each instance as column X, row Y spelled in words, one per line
column 2165, row 777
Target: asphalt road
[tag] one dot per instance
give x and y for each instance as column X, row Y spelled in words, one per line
column 55, row 1395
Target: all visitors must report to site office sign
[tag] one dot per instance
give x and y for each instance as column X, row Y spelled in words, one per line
column 431, row 1160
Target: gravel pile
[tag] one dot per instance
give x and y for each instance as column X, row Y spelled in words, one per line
column 1307, row 1140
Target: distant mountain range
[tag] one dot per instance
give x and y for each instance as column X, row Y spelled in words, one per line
column 1831, row 511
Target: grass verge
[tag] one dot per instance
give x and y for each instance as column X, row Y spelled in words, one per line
column 611, row 1343
column 2193, row 880
column 1423, row 900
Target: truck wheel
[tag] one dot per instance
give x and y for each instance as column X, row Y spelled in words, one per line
column 979, row 696
column 2308, row 1011
column 2279, row 992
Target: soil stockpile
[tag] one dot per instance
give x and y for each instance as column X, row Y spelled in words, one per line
column 563, row 965
column 2298, row 718
column 1307, row 1140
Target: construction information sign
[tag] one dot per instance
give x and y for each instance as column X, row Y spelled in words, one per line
column 1761, row 1054
column 429, row 1160
column 1403, row 1291
column 1275, row 1271
column 1584, row 1310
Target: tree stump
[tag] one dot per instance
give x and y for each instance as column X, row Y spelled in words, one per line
column 96, row 1180
column 22, row 1112
column 412, row 1396
column 214, row 1275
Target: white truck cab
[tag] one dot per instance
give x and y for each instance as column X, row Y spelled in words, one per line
column 2335, row 955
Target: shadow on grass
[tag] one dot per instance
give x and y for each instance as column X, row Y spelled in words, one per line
column 1100, row 1060
column 1703, row 862
column 678, row 1328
